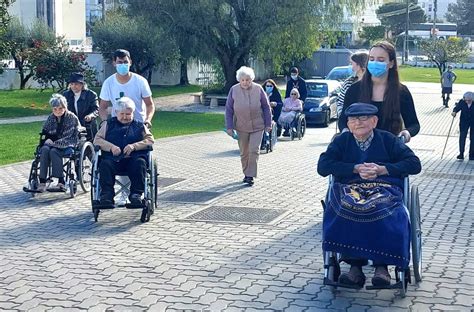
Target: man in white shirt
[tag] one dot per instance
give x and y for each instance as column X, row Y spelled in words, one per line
column 125, row 83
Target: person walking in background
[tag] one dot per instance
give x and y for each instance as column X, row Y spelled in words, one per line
column 358, row 62
column 274, row 96
column 447, row 80
column 247, row 111
column 126, row 83
column 296, row 82
column 83, row 103
column 381, row 87
column 466, row 123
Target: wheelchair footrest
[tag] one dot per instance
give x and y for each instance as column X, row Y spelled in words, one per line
column 97, row 205
column 25, row 189
column 135, row 206
column 397, row 285
column 56, row 190
column 328, row 282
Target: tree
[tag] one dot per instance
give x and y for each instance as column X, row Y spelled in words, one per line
column 462, row 14
column 53, row 64
column 393, row 16
column 4, row 19
column 444, row 51
column 147, row 43
column 371, row 34
column 233, row 30
column 22, row 40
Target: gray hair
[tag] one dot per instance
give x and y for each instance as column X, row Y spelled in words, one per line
column 123, row 104
column 245, row 71
column 468, row 95
column 297, row 92
column 58, row 100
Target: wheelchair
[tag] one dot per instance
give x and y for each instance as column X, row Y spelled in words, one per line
column 269, row 139
column 77, row 167
column 297, row 128
column 149, row 202
column 411, row 201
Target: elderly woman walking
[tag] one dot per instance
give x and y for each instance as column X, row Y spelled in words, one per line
column 248, row 112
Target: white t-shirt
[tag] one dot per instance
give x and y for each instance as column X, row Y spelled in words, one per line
column 136, row 88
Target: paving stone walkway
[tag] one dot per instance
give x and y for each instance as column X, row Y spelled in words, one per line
column 54, row 257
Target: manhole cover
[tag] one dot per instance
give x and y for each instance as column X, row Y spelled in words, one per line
column 451, row 176
column 237, row 215
column 165, row 182
column 188, row 196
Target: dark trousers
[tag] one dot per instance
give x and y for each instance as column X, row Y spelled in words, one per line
column 54, row 156
column 463, row 129
column 133, row 167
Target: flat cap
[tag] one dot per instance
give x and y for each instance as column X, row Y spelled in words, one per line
column 76, row 77
column 361, row 109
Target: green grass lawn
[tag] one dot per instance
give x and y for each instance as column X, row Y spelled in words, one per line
column 30, row 102
column 422, row 74
column 20, row 140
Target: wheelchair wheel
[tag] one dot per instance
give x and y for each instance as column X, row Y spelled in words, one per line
column 332, row 269
column 85, row 166
column 301, row 127
column 404, row 276
column 415, row 233
column 146, row 212
column 155, row 186
column 72, row 185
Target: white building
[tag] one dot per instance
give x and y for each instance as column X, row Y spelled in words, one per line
column 66, row 17
column 441, row 8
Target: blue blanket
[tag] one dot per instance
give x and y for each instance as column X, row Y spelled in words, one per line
column 368, row 220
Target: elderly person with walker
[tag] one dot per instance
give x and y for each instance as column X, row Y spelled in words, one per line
column 248, row 113
column 124, row 143
column 62, row 134
column 466, row 122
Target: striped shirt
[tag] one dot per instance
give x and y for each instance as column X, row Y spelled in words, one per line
column 342, row 93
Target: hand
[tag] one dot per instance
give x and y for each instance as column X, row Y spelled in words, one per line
column 147, row 124
column 268, row 129
column 453, row 114
column 370, row 171
column 230, row 132
column 273, row 104
column 48, row 142
column 406, row 135
column 116, row 151
column 87, row 118
column 127, row 150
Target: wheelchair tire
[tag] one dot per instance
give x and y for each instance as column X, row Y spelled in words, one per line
column 96, row 214
column 145, row 216
column 85, row 166
column 301, row 127
column 72, row 188
column 415, row 233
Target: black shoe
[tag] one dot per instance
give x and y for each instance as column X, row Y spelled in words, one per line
column 460, row 156
column 106, row 202
column 471, row 157
column 249, row 181
column 278, row 132
column 355, row 277
column 381, row 276
column 135, row 199
column 246, row 179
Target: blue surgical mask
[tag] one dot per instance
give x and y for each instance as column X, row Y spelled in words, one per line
column 377, row 69
column 269, row 89
column 294, row 76
column 122, row 69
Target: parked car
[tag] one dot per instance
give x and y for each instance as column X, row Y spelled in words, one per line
column 340, row 73
column 320, row 106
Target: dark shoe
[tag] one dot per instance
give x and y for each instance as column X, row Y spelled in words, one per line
column 355, row 277
column 249, row 181
column 471, row 157
column 278, row 132
column 106, row 202
column 135, row 199
column 246, row 179
column 460, row 156
column 381, row 276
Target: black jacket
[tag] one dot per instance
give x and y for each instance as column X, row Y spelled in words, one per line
column 467, row 114
column 299, row 84
column 87, row 104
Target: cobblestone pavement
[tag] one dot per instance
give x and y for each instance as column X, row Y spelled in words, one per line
column 54, row 257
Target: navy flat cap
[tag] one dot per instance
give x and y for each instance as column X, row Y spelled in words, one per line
column 76, row 77
column 361, row 109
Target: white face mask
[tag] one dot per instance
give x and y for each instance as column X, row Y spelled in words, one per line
column 294, row 76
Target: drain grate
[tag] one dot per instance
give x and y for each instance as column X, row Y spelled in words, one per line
column 188, row 196
column 237, row 215
column 165, row 182
column 450, row 176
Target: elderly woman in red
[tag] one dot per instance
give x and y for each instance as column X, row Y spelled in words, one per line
column 248, row 112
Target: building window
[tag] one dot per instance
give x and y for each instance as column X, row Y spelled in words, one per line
column 430, row 7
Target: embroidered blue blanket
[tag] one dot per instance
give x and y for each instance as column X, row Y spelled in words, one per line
column 367, row 220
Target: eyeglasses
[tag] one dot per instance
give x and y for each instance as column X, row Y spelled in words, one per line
column 360, row 118
column 293, row 94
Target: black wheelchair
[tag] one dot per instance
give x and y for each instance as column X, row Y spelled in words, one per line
column 411, row 201
column 269, row 139
column 297, row 128
column 77, row 167
column 149, row 202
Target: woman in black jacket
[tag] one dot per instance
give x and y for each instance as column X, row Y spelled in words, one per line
column 83, row 103
column 274, row 97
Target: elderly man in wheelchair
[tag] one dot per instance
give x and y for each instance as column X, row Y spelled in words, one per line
column 364, row 214
column 125, row 144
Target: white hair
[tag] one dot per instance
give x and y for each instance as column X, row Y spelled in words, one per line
column 58, row 100
column 123, row 104
column 468, row 95
column 245, row 71
column 296, row 91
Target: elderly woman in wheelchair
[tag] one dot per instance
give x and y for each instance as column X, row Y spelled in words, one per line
column 364, row 213
column 125, row 144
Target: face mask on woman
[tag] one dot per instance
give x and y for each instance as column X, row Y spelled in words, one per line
column 122, row 69
column 377, row 69
column 269, row 89
column 294, row 76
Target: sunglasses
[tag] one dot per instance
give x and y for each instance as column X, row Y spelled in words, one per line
column 293, row 94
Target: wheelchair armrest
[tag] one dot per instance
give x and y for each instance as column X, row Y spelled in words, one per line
column 149, row 148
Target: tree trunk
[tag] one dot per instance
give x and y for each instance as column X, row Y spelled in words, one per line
column 183, row 80
column 230, row 66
